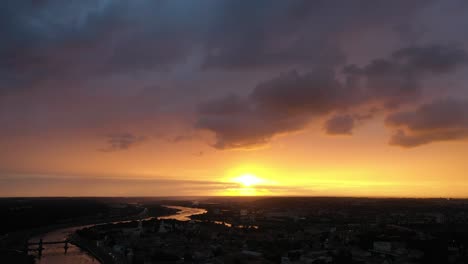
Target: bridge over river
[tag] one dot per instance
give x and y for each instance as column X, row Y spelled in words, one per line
column 53, row 243
column 39, row 246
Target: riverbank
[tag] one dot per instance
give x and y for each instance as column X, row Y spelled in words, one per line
column 143, row 214
column 16, row 241
column 104, row 254
column 88, row 246
column 89, row 252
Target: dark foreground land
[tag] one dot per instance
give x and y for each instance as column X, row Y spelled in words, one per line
column 22, row 218
column 257, row 230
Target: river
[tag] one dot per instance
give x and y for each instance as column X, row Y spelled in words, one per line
column 184, row 213
column 55, row 254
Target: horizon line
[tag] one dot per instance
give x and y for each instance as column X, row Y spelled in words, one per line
column 247, row 196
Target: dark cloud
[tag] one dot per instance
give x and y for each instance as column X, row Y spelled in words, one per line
column 290, row 101
column 124, row 141
column 431, row 59
column 53, row 40
column 448, row 113
column 253, row 132
column 441, row 120
column 281, row 105
column 278, row 33
column 245, row 125
column 270, row 33
column 228, row 105
column 404, row 139
column 82, row 39
column 57, row 56
column 44, row 40
column 339, row 125
column 293, row 93
column 397, row 79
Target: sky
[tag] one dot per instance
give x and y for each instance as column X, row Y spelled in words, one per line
column 227, row 97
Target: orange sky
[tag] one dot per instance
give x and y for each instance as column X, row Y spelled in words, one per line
column 158, row 98
column 305, row 163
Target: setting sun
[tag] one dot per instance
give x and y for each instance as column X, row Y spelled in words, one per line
column 248, row 180
column 248, row 184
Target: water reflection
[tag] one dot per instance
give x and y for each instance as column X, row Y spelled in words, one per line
column 237, row 226
column 184, row 213
column 222, row 223
column 55, row 254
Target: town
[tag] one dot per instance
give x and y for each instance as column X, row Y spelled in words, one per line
column 291, row 230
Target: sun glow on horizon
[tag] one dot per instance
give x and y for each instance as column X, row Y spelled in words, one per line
column 248, row 180
column 246, row 184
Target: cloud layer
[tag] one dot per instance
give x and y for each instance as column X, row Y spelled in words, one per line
column 289, row 102
column 246, row 71
column 440, row 120
column 122, row 141
column 339, row 125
